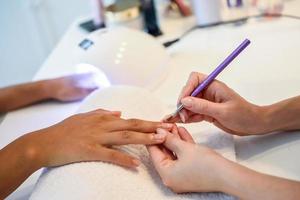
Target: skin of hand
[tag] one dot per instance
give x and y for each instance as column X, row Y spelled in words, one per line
column 65, row 89
column 82, row 137
column 93, row 134
column 196, row 168
column 188, row 167
column 221, row 106
column 187, row 171
column 72, row 87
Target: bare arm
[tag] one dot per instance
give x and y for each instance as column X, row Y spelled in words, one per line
column 284, row 115
column 83, row 137
column 68, row 88
column 14, row 97
column 248, row 184
column 223, row 107
column 200, row 169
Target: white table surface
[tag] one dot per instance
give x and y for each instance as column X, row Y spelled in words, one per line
column 267, row 72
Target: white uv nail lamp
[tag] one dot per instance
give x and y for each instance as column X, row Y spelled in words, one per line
column 125, row 56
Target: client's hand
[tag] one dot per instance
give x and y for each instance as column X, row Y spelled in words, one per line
column 71, row 88
column 196, row 168
column 90, row 136
column 82, row 137
column 220, row 105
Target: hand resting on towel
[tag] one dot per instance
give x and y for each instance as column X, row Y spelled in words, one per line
column 82, row 137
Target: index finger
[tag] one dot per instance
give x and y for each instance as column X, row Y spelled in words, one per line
column 194, row 79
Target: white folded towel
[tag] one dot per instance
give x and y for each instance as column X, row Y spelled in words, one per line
column 103, row 181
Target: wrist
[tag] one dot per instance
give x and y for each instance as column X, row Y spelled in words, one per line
column 36, row 149
column 275, row 118
column 263, row 124
column 44, row 89
column 216, row 180
column 234, row 179
column 30, row 150
column 265, row 119
column 224, row 176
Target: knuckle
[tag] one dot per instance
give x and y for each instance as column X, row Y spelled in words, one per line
column 185, row 88
column 134, row 122
column 125, row 135
column 193, row 74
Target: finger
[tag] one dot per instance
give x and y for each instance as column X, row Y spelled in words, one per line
column 173, row 143
column 184, row 134
column 139, row 125
column 131, row 137
column 116, row 113
column 171, row 119
column 158, row 157
column 183, row 115
column 193, row 81
column 174, row 131
column 119, row 158
column 195, row 118
column 208, row 118
column 169, row 154
column 107, row 112
column 201, row 106
column 87, row 91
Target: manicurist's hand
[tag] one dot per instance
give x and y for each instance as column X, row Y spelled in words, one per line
column 82, row 137
column 222, row 106
column 195, row 168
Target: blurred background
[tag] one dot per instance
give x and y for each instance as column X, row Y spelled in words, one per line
column 30, row 29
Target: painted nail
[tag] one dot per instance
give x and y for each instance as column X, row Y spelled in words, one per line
column 136, row 162
column 187, row 102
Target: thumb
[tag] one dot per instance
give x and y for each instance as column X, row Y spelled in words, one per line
column 173, row 143
column 201, row 106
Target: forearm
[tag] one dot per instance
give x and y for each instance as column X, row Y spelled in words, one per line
column 22, row 95
column 18, row 160
column 248, row 184
column 283, row 116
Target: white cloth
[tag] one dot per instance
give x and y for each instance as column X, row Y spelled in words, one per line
column 98, row 180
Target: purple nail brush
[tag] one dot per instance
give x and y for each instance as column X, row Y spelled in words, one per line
column 216, row 72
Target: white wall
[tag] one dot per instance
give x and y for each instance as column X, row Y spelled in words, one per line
column 29, row 29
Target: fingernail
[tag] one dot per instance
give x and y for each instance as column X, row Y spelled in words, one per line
column 160, row 136
column 136, row 162
column 166, row 125
column 187, row 102
column 181, row 115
